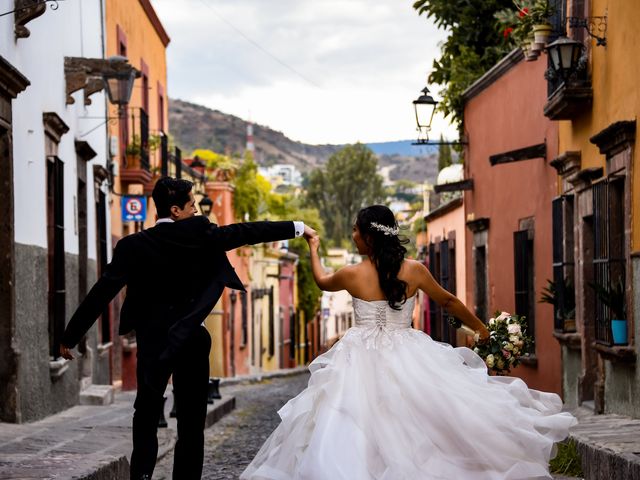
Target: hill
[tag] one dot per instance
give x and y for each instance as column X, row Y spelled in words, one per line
column 194, row 126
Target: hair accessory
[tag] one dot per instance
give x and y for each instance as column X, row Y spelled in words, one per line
column 385, row 229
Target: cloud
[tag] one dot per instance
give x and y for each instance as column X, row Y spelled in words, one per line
column 344, row 70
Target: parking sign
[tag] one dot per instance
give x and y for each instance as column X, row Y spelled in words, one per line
column 134, row 208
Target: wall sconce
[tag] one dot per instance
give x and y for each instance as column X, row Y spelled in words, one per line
column 566, row 57
column 205, row 206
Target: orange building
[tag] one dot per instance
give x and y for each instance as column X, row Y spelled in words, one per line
column 133, row 30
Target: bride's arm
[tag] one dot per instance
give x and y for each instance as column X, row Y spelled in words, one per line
column 331, row 282
column 448, row 301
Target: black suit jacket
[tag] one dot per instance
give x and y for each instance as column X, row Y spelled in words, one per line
column 174, row 274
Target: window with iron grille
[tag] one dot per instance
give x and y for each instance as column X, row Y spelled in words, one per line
column 292, row 333
column 563, row 262
column 101, row 235
column 272, row 324
column 523, row 275
column 480, row 288
column 608, row 254
column 144, row 139
column 55, row 246
column 434, row 309
column 245, row 319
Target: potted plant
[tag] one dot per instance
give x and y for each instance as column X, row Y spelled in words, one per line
column 540, row 13
column 568, row 314
column 613, row 297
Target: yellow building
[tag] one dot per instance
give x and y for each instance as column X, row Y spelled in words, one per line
column 133, row 30
column 596, row 216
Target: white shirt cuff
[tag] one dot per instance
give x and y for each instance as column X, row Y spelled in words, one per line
column 299, row 228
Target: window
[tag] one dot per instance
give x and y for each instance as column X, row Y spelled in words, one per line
column 101, row 236
column 160, row 107
column 523, row 275
column 272, row 321
column 245, row 319
column 608, row 254
column 563, row 264
column 55, row 247
column 480, row 271
column 292, row 333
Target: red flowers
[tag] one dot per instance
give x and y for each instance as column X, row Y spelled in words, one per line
column 507, row 31
column 523, row 12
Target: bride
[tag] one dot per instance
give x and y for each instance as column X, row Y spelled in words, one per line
column 387, row 402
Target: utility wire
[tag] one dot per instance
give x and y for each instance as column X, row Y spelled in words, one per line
column 257, row 45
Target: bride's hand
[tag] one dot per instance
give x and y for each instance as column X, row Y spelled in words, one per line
column 313, row 239
column 484, row 335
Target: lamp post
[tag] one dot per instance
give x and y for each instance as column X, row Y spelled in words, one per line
column 118, row 79
column 565, row 56
column 205, row 206
column 424, row 107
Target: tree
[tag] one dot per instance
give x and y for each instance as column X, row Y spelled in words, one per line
column 444, row 154
column 474, row 45
column 252, row 191
column 347, row 182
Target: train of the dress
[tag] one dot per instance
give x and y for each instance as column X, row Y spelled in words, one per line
column 397, row 405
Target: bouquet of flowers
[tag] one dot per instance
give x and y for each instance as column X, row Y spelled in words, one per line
column 508, row 341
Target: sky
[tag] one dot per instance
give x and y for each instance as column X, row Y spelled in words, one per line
column 320, row 71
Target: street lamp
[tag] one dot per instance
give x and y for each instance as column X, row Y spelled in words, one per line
column 118, row 78
column 565, row 56
column 425, row 108
column 205, row 206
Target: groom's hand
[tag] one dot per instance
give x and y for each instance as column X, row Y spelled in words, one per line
column 309, row 232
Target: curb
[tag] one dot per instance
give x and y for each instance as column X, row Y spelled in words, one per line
column 259, row 377
column 602, row 463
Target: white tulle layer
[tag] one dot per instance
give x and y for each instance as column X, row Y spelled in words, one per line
column 410, row 408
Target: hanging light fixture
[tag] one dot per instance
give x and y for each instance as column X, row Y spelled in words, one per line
column 118, row 79
column 205, row 206
column 565, row 54
column 424, row 107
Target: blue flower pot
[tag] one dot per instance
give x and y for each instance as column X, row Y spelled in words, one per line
column 619, row 331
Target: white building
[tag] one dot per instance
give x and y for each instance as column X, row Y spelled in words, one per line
column 54, row 201
column 282, row 174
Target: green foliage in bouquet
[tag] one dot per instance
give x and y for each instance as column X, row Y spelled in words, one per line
column 507, row 343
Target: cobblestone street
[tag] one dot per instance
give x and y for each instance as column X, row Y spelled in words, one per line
column 231, row 443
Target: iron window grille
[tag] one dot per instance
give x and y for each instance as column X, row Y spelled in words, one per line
column 608, row 255
column 523, row 275
column 563, row 264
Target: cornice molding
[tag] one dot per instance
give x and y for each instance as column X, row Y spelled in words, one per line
column 12, row 82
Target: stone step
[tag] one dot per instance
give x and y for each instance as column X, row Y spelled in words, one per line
column 97, row 395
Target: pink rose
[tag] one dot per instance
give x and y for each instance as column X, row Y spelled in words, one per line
column 506, row 354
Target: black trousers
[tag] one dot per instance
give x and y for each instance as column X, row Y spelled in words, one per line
column 190, row 384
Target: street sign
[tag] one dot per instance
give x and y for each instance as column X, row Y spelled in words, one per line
column 134, row 208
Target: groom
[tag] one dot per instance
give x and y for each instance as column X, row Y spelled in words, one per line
column 174, row 272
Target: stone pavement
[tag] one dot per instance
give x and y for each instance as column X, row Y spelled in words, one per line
column 83, row 442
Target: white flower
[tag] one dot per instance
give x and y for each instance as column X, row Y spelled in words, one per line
column 514, row 328
column 503, row 316
column 492, row 321
column 508, row 346
column 500, row 363
column 489, row 360
column 476, row 350
column 514, row 339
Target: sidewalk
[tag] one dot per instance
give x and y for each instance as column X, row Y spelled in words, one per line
column 608, row 444
column 84, row 442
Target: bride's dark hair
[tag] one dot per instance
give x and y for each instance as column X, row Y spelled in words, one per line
column 379, row 230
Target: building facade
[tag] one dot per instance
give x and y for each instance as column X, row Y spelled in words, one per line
column 508, row 205
column 54, row 197
column 596, row 220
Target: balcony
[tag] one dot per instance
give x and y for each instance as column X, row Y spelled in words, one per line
column 569, row 101
column 136, row 165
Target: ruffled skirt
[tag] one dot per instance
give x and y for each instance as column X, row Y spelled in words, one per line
column 410, row 408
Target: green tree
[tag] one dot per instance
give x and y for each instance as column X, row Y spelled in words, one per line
column 252, row 191
column 345, row 184
column 444, row 154
column 474, row 45
column 213, row 159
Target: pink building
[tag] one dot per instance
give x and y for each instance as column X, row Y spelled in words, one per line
column 288, row 315
column 508, row 205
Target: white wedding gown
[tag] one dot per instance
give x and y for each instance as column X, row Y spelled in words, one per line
column 389, row 403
